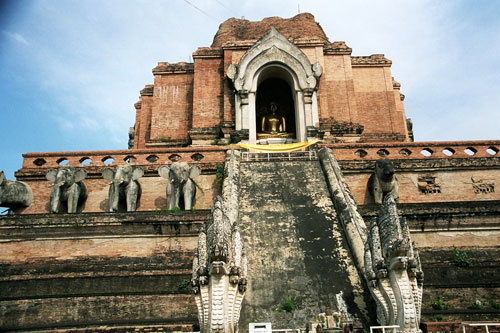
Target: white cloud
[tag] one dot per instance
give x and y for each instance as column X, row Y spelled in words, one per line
column 90, row 59
column 16, row 36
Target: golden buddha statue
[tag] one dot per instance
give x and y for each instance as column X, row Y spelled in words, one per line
column 272, row 123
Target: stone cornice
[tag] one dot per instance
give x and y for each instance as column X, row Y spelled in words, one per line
column 207, row 52
column 425, row 165
column 31, row 226
column 444, row 216
column 307, row 42
column 372, row 60
column 148, row 90
column 177, row 68
column 246, row 44
column 238, row 44
column 339, row 47
column 396, row 84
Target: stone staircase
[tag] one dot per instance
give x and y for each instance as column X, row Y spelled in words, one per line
column 298, row 256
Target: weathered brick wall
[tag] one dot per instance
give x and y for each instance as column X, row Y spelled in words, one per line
column 198, row 96
column 313, row 53
column 337, row 99
column 208, row 91
column 459, row 184
column 302, row 25
column 375, row 100
column 400, row 115
column 451, row 289
column 138, row 137
column 449, row 326
column 143, row 121
column 83, row 270
column 172, row 104
column 228, row 95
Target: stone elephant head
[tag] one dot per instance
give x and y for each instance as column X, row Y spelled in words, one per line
column 180, row 181
column 383, row 181
column 123, row 186
column 14, row 194
column 67, row 187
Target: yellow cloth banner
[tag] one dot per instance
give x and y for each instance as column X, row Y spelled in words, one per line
column 278, row 148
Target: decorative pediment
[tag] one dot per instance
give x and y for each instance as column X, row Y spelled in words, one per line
column 275, row 48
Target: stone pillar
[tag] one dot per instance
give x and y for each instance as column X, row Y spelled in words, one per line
column 308, row 93
column 315, row 112
column 243, row 96
column 252, row 127
column 237, row 111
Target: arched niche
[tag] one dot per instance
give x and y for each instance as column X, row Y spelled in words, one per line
column 274, row 56
column 275, row 85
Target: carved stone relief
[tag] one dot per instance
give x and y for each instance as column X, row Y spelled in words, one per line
column 427, row 184
column 393, row 269
column 483, row 186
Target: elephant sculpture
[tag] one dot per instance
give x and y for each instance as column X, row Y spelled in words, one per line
column 14, row 194
column 67, row 187
column 123, row 186
column 180, row 175
column 383, row 181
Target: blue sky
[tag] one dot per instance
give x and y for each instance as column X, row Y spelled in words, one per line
column 70, row 71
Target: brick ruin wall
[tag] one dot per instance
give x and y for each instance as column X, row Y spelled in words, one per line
column 59, row 261
column 171, row 107
column 185, row 96
column 97, row 269
column 207, row 98
column 436, row 178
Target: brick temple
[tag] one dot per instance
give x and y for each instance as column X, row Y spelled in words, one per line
column 275, row 81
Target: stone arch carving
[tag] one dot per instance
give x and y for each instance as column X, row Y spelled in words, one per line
column 275, row 50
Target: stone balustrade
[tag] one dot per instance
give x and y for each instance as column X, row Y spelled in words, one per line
column 211, row 155
column 102, row 158
column 415, row 150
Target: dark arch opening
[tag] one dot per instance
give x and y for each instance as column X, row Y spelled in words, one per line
column 275, row 90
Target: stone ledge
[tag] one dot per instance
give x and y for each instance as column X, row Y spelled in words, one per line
column 176, row 68
column 134, row 328
column 206, row 52
column 437, row 208
column 166, row 143
column 427, row 165
column 372, row 60
column 84, row 225
column 339, row 47
column 148, row 90
column 445, row 215
column 75, row 312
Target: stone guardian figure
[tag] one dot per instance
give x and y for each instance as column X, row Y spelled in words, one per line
column 219, row 273
column 67, row 188
column 14, row 194
column 123, row 186
column 383, row 181
column 180, row 182
column 393, row 269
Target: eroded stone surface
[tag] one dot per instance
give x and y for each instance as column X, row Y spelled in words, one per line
column 302, row 25
column 295, row 244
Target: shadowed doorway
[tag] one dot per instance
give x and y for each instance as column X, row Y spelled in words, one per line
column 275, row 110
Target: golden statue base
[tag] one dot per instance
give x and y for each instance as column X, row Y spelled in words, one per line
column 275, row 135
